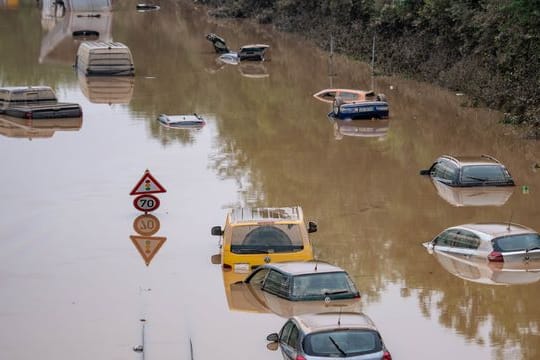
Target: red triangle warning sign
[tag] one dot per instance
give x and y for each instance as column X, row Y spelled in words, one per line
column 148, row 246
column 147, row 185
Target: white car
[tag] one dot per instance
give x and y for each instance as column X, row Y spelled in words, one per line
column 496, row 242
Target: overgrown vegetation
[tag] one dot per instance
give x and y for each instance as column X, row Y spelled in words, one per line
column 487, row 49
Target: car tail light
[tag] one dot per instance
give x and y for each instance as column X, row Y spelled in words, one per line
column 496, row 256
column 227, row 267
column 28, row 114
column 386, row 356
column 300, row 357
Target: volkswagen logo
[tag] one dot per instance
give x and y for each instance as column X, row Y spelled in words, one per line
column 267, row 259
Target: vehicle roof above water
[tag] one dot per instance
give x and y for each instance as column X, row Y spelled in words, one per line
column 473, row 160
column 103, row 45
column 278, row 214
column 498, row 229
column 333, row 321
column 304, row 267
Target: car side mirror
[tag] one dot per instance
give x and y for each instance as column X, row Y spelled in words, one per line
column 312, row 227
column 425, row 172
column 273, row 337
column 216, row 230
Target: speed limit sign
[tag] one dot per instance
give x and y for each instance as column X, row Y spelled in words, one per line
column 146, row 203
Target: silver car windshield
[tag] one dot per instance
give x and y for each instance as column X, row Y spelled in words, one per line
column 342, row 343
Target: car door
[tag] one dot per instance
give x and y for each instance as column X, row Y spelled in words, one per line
column 288, row 340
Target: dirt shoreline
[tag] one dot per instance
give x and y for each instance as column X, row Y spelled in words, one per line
column 482, row 50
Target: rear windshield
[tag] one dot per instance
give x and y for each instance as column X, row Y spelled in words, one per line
column 266, row 238
column 320, row 286
column 485, row 173
column 342, row 343
column 520, row 242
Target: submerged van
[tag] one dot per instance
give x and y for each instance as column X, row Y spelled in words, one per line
column 104, row 58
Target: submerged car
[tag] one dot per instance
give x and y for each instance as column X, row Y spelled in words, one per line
column 344, row 335
column 35, row 102
column 253, row 52
column 372, row 106
column 256, row 236
column 303, row 280
column 249, row 297
column 482, row 170
column 496, row 242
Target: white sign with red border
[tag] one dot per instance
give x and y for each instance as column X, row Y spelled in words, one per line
column 147, row 185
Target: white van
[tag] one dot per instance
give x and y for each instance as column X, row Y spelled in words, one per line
column 104, row 58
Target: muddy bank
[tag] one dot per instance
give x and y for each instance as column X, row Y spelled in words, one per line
column 488, row 50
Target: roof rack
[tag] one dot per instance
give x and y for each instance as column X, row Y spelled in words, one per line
column 490, row 157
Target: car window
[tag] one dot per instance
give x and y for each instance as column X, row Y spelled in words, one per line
column 329, row 95
column 258, row 276
column 445, row 170
column 458, row 238
column 519, row 242
column 484, row 173
column 274, row 238
column 320, row 286
column 286, row 331
column 277, row 283
column 342, row 343
column 446, row 238
column 292, row 341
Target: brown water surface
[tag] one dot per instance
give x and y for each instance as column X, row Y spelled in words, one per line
column 73, row 281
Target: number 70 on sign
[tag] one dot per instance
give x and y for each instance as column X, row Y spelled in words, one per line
column 146, row 203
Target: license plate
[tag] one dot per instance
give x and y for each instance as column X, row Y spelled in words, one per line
column 241, row 268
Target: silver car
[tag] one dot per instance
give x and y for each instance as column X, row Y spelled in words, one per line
column 321, row 336
column 491, row 241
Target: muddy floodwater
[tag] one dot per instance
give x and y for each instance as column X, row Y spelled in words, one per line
column 77, row 274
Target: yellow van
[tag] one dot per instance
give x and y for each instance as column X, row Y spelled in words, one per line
column 255, row 236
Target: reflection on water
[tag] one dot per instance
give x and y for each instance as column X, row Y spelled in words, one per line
column 376, row 128
column 147, row 245
column 42, row 128
column 67, row 26
column 107, row 89
column 473, row 196
column 484, row 272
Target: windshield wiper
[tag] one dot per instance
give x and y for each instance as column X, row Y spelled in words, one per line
column 337, row 346
column 476, row 178
column 336, row 292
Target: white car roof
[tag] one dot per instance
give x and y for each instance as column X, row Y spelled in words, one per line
column 334, row 320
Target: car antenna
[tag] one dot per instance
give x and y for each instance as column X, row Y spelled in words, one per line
column 339, row 317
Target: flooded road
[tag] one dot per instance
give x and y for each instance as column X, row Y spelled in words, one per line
column 74, row 284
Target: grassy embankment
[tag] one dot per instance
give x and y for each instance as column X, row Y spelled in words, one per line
column 489, row 50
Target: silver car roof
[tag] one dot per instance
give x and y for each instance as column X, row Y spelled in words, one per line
column 334, row 321
column 304, row 267
column 494, row 230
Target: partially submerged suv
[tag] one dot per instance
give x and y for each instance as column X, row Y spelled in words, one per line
column 255, row 236
column 481, row 170
column 491, row 241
